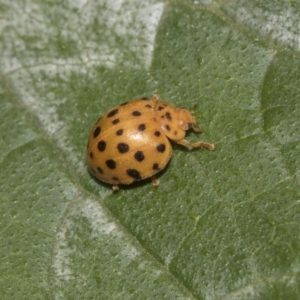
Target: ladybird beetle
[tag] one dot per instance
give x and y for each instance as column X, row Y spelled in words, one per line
column 131, row 141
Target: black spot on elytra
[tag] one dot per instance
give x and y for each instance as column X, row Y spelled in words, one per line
column 161, row 148
column 139, row 156
column 119, row 132
column 148, row 106
column 123, row 104
column 157, row 133
column 101, row 146
column 175, row 132
column 136, row 113
column 112, row 113
column 156, row 167
column 91, row 155
column 115, row 121
column 97, row 131
column 123, row 148
column 100, row 170
column 111, row 164
column 141, row 127
column 115, row 178
column 167, row 127
column 168, row 116
column 160, row 107
column 135, row 174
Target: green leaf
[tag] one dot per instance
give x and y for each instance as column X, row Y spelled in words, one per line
column 222, row 224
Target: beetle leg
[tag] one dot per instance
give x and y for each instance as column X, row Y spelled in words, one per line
column 196, row 145
column 115, row 187
column 155, row 181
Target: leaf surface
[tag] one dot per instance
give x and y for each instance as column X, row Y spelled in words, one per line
column 222, row 224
